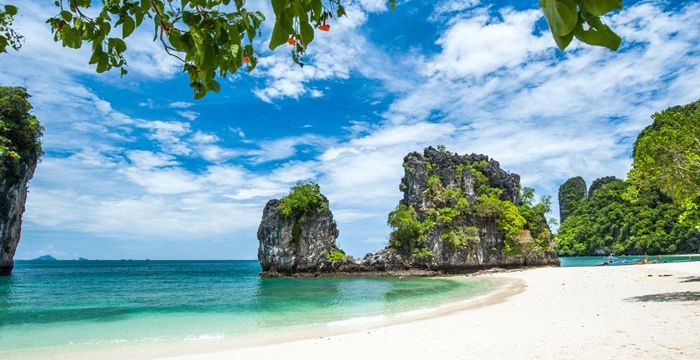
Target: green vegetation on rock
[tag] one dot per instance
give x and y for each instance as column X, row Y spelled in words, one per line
column 656, row 211
column 304, row 198
column 571, row 193
column 336, row 256
column 613, row 222
column 455, row 218
column 19, row 132
column 409, row 232
column 667, row 156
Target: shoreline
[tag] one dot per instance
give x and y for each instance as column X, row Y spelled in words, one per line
column 629, row 312
column 632, row 312
column 503, row 289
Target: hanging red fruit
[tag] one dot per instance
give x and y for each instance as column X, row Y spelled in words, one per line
column 324, row 27
column 291, row 41
column 246, row 59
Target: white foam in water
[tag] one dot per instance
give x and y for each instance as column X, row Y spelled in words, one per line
column 358, row 320
column 202, row 337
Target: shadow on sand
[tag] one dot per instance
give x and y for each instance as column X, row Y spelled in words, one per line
column 667, row 297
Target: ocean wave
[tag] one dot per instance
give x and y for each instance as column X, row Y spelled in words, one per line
column 360, row 320
column 202, row 337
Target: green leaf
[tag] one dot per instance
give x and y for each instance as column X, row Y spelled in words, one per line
column 561, row 15
column 599, row 7
column 597, row 34
column 102, row 63
column 307, row 33
column 176, row 41
column 278, row 6
column 66, row 15
column 128, row 26
column 235, row 50
column 11, row 10
column 71, row 38
column 316, row 7
column 279, row 35
column 213, row 85
column 95, row 58
column 563, row 41
column 3, row 44
column 117, row 43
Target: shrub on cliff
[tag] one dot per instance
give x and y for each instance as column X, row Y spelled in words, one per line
column 19, row 132
column 304, row 198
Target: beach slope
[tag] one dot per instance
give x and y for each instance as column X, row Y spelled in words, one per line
column 628, row 312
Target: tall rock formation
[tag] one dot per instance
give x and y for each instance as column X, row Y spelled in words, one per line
column 571, row 193
column 19, row 153
column 462, row 212
column 297, row 234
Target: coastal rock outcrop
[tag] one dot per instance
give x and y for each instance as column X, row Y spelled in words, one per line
column 297, row 234
column 463, row 212
column 19, row 153
column 459, row 213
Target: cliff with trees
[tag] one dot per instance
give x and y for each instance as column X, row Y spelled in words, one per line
column 655, row 211
column 20, row 150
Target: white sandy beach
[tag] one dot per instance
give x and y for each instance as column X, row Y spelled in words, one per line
column 627, row 312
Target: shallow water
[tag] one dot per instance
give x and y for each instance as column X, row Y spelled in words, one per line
column 598, row 260
column 65, row 303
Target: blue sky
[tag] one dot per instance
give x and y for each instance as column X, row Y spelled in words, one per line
column 135, row 168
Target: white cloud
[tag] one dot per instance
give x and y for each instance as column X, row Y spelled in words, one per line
column 180, row 105
column 495, row 85
column 188, row 114
column 325, row 60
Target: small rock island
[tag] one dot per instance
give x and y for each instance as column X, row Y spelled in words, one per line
column 297, row 234
column 459, row 213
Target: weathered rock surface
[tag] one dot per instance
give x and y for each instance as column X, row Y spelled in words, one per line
column 296, row 244
column 13, row 195
column 485, row 247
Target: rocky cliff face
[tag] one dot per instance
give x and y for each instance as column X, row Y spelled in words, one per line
column 468, row 209
column 13, row 195
column 299, row 243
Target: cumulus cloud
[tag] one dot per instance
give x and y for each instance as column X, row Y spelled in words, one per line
column 493, row 84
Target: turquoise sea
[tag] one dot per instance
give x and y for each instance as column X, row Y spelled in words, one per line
column 59, row 304
column 597, row 260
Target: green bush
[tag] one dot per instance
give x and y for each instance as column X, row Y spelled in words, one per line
column 421, row 254
column 336, row 256
column 408, row 231
column 304, row 198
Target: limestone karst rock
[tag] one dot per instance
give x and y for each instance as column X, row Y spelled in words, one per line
column 20, row 149
column 299, row 238
column 465, row 211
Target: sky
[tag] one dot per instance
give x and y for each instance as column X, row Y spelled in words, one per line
column 134, row 167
